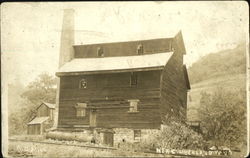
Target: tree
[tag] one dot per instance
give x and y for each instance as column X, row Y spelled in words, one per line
column 19, row 118
column 42, row 89
column 223, row 117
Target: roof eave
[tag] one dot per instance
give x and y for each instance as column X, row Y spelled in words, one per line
column 59, row 74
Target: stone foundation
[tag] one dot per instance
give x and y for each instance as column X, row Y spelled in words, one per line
column 120, row 135
column 127, row 135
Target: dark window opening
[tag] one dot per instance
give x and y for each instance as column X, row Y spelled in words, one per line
column 100, row 52
column 140, row 50
column 83, row 84
column 137, row 134
column 133, row 79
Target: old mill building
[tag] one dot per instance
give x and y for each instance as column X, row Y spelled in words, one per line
column 128, row 87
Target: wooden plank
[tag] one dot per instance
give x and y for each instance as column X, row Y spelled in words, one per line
column 173, row 88
column 59, row 74
column 112, row 101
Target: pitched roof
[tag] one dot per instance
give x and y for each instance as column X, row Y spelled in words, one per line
column 38, row 120
column 49, row 105
column 52, row 106
column 125, row 63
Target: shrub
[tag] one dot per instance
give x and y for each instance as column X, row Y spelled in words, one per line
column 174, row 135
column 223, row 117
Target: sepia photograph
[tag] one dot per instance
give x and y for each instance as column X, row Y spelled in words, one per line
column 125, row 79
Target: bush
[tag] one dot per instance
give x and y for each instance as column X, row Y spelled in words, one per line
column 174, row 135
column 179, row 136
column 223, row 117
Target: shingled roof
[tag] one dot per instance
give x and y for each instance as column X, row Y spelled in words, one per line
column 49, row 105
column 38, row 120
column 124, row 63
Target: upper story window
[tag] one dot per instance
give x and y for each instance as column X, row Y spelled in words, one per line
column 133, row 105
column 81, row 109
column 171, row 46
column 83, row 84
column 133, row 79
column 140, row 49
column 100, row 52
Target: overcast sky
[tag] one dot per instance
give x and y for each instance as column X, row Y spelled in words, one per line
column 30, row 32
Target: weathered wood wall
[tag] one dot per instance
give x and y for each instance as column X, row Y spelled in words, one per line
column 105, row 90
column 123, row 48
column 43, row 111
column 173, row 85
column 34, row 129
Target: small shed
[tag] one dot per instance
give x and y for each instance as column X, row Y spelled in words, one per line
column 37, row 125
column 46, row 109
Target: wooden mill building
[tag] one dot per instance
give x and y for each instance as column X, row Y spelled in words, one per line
column 129, row 87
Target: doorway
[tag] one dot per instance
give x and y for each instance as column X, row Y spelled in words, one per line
column 92, row 118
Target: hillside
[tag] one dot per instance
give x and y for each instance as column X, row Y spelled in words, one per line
column 226, row 62
column 225, row 69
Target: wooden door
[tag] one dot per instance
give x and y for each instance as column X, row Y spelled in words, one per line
column 109, row 138
column 92, row 118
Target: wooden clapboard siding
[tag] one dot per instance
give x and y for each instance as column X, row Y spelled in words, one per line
column 34, row 129
column 43, row 110
column 148, row 111
column 109, row 90
column 114, row 80
column 173, row 86
column 161, row 92
column 123, row 48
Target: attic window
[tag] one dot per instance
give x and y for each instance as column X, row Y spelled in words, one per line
column 133, row 103
column 81, row 109
column 100, row 52
column 171, row 46
column 133, row 79
column 83, row 84
column 140, row 49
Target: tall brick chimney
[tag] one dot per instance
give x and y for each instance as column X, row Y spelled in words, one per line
column 67, row 37
column 66, row 51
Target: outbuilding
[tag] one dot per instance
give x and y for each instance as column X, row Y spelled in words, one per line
column 37, row 125
column 44, row 119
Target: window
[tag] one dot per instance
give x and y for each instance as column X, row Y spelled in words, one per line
column 81, row 109
column 137, row 134
column 171, row 48
column 140, row 49
column 100, row 52
column 133, row 103
column 133, row 79
column 83, row 84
